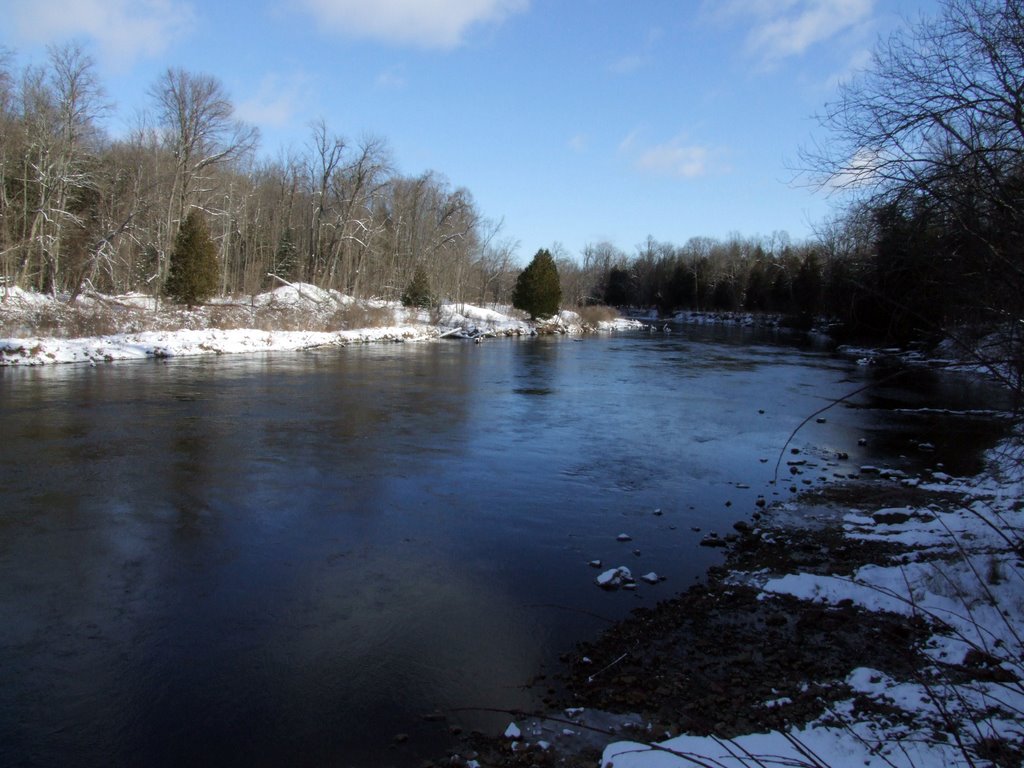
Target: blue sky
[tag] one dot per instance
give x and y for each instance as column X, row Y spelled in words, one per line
column 573, row 121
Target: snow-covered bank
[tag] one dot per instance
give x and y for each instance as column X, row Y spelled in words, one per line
column 289, row 318
column 128, row 346
column 957, row 567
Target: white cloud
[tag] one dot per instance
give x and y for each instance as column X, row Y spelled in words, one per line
column 678, row 159
column 860, row 170
column 393, row 79
column 857, row 63
column 785, row 28
column 629, row 140
column 426, row 23
column 629, row 63
column 626, row 65
column 123, row 30
column 275, row 102
column 579, row 142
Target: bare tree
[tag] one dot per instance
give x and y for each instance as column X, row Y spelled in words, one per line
column 493, row 264
column 201, row 133
column 932, row 135
column 8, row 243
column 60, row 108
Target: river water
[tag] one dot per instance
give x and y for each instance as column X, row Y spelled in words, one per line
column 294, row 558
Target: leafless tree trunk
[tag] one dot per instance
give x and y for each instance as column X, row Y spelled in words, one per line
column 201, row 133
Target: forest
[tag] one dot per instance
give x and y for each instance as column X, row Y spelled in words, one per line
column 924, row 151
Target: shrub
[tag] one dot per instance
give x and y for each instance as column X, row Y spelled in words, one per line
column 597, row 313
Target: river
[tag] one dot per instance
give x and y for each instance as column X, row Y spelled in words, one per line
column 301, row 558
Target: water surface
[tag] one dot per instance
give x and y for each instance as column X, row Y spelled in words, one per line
column 292, row 558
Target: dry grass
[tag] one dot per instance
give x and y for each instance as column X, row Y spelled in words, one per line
column 362, row 316
column 597, row 313
column 105, row 317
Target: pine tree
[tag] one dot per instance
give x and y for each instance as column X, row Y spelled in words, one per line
column 193, row 274
column 286, row 259
column 418, row 293
column 537, row 288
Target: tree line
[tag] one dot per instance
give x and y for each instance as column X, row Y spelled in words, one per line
column 80, row 209
column 925, row 148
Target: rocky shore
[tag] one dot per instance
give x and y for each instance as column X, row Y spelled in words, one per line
column 726, row 658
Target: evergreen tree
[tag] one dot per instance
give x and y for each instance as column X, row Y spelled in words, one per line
column 807, row 287
column 286, row 259
column 193, row 274
column 537, row 288
column 418, row 293
column 619, row 291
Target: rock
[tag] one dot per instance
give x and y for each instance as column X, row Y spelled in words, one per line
column 890, row 517
column 862, row 441
column 742, row 526
column 925, row 447
column 651, row 578
column 595, row 563
column 842, row 455
column 760, row 501
column 614, row 578
column 513, row 732
column 892, row 474
column 623, row 537
column 820, row 419
column 657, row 513
column 712, row 540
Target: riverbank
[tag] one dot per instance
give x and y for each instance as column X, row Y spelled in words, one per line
column 877, row 622
column 37, row 329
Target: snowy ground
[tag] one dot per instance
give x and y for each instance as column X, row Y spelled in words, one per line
column 103, row 328
column 961, row 570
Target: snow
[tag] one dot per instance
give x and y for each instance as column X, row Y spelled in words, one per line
column 834, row 747
column 960, row 571
column 194, row 336
column 614, row 578
column 128, row 346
